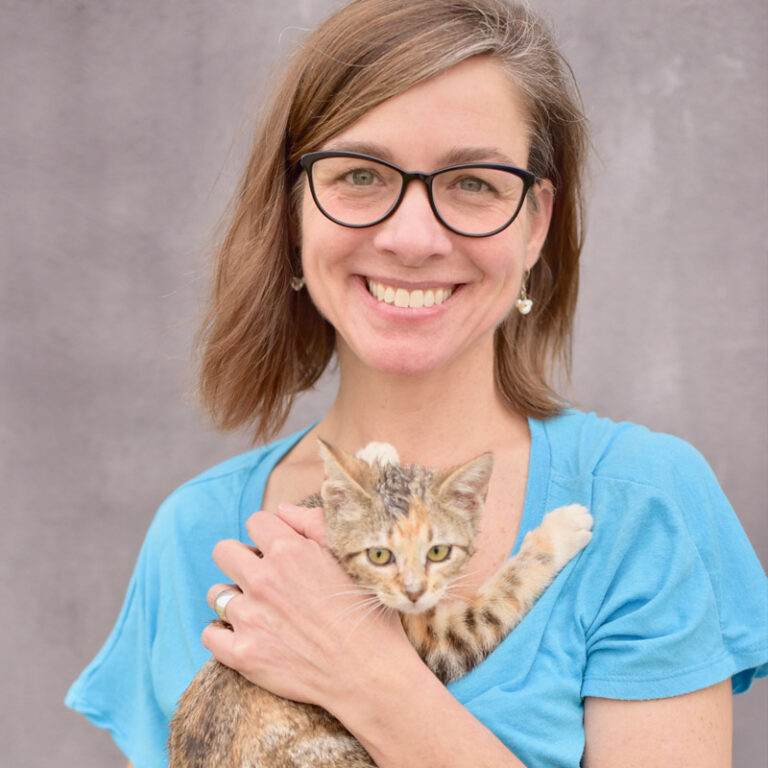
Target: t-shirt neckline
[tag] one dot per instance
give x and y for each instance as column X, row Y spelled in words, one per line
column 536, row 489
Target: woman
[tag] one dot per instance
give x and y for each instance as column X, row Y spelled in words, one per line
column 446, row 299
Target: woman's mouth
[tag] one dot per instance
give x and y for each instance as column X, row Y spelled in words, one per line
column 401, row 297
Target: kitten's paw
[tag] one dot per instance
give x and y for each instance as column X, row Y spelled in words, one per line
column 570, row 530
column 384, row 453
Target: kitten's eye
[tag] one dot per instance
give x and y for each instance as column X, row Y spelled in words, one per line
column 439, row 552
column 380, row 556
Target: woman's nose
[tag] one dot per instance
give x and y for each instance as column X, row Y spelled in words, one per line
column 412, row 232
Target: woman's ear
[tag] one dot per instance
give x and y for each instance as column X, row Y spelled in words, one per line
column 541, row 200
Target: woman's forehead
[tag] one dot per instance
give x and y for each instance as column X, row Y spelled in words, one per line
column 472, row 112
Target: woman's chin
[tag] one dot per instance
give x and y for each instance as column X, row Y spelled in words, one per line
column 413, row 354
column 406, row 360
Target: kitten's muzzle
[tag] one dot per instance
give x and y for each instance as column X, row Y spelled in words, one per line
column 415, row 592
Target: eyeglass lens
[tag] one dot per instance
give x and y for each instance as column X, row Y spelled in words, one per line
column 471, row 199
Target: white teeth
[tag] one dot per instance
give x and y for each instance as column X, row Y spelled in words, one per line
column 403, row 298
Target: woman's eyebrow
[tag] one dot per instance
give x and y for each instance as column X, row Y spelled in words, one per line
column 476, row 155
column 454, row 156
column 362, row 148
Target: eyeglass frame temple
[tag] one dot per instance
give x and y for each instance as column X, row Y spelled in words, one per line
column 307, row 160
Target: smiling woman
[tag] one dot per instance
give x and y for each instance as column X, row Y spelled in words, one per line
column 248, row 381
column 413, row 206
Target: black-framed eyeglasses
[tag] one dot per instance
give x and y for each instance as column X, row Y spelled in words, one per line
column 471, row 199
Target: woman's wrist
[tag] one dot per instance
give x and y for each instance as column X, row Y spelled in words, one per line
column 403, row 715
column 365, row 665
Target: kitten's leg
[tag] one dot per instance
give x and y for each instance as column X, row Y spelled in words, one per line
column 457, row 636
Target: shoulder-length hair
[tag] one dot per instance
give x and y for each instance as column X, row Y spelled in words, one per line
column 261, row 342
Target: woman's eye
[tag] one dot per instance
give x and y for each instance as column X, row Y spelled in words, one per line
column 360, row 177
column 380, row 556
column 438, row 553
column 472, row 184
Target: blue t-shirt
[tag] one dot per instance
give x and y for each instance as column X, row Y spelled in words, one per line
column 668, row 597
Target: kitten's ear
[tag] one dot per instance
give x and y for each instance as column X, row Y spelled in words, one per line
column 466, row 486
column 347, row 479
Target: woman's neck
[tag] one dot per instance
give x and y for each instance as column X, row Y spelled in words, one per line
column 433, row 419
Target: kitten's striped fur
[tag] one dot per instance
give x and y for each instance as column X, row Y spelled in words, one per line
column 223, row 721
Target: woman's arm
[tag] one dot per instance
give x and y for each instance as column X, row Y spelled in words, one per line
column 403, row 715
column 692, row 730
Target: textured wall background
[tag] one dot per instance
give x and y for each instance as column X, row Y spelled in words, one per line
column 122, row 130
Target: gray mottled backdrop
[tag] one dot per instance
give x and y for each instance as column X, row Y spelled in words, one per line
column 122, row 130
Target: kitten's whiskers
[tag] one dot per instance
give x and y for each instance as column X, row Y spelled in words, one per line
column 354, row 590
column 378, row 606
column 453, row 589
column 359, row 605
column 463, row 576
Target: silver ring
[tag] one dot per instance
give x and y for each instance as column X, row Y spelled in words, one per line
column 221, row 601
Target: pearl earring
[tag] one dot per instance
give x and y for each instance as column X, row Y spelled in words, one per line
column 297, row 282
column 524, row 304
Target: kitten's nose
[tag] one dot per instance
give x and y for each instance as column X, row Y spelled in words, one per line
column 414, row 593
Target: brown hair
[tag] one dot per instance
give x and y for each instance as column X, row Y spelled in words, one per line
column 262, row 343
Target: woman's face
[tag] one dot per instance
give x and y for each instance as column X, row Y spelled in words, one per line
column 470, row 113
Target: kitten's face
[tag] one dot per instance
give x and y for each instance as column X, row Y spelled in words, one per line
column 410, row 562
column 405, row 533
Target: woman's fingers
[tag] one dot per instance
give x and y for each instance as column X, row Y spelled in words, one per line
column 222, row 643
column 276, row 539
column 271, row 534
column 308, row 521
column 237, row 560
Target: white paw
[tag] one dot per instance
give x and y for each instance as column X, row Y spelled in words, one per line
column 384, row 453
column 570, row 529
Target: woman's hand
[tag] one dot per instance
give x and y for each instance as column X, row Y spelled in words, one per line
column 301, row 627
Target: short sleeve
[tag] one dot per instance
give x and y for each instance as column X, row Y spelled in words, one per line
column 132, row 686
column 683, row 600
column 116, row 690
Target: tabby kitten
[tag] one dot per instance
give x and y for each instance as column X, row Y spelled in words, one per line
column 403, row 533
